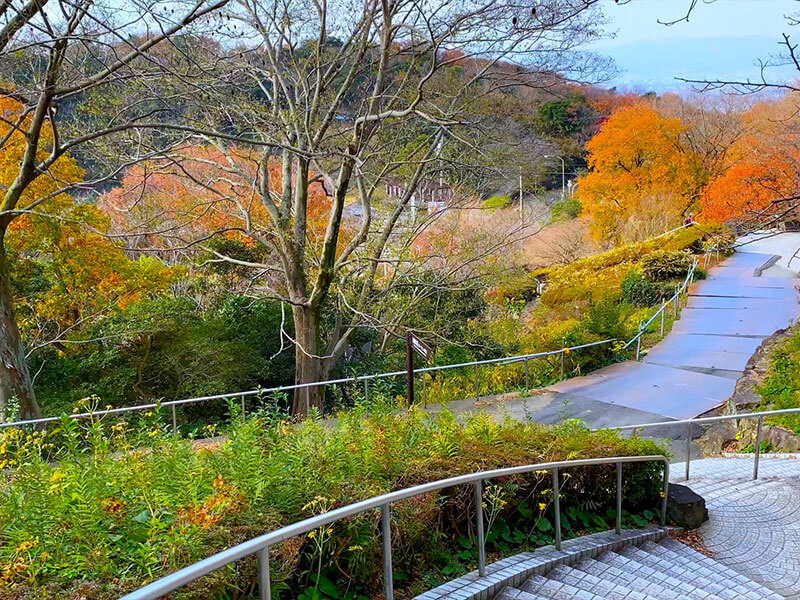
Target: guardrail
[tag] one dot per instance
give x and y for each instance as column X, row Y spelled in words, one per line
column 261, row 545
column 242, row 396
column 174, row 404
column 690, row 423
column 675, row 299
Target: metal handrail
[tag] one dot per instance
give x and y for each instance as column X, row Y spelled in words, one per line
column 173, row 404
column 261, row 544
column 702, row 420
column 662, row 311
column 283, row 388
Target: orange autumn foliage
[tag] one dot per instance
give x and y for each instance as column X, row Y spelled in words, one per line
column 202, row 192
column 750, row 189
column 63, row 172
column 764, row 166
column 86, row 273
column 639, row 169
column 224, row 499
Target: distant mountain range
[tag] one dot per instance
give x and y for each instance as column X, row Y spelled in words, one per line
column 654, row 65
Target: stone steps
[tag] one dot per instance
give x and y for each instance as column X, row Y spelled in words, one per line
column 667, row 570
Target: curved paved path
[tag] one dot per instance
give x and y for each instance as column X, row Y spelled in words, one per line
column 754, row 526
column 695, row 367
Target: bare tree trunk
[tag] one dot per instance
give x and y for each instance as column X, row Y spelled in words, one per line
column 308, row 363
column 15, row 378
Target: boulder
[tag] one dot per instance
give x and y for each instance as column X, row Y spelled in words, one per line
column 781, row 439
column 717, row 437
column 685, row 508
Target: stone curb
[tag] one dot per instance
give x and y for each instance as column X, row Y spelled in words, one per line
column 758, row 271
column 514, row 570
column 763, row 455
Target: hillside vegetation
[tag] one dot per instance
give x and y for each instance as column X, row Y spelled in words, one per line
column 85, row 513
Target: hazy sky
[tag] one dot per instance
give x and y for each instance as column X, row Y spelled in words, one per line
column 638, row 20
column 722, row 40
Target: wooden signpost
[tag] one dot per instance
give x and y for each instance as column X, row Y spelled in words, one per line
column 414, row 344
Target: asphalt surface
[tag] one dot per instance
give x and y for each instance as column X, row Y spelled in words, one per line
column 693, row 370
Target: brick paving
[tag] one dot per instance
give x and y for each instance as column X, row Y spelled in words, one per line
column 754, row 526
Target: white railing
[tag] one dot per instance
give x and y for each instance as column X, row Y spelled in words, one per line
column 690, row 423
column 260, row 546
column 675, row 300
column 242, row 396
column 173, row 404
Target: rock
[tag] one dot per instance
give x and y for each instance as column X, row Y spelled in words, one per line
column 781, row 439
column 685, row 508
column 717, row 437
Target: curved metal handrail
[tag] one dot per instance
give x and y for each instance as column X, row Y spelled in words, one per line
column 703, row 420
column 662, row 311
column 261, row 544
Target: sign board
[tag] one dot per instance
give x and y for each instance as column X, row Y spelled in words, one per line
column 420, row 347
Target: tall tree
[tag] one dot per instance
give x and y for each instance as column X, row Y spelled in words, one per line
column 63, row 61
column 363, row 98
column 642, row 174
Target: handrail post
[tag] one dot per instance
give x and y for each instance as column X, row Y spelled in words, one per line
column 758, row 447
column 264, row 587
column 243, row 406
column 174, row 420
column 477, row 384
column 557, row 507
column 480, row 533
column 527, row 378
column 386, row 534
column 663, row 314
column 639, row 341
column 677, row 301
column 562, row 364
column 618, row 526
column 664, row 493
column 688, row 448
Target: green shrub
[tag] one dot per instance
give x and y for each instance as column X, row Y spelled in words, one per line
column 637, row 290
column 519, row 287
column 169, row 348
column 781, row 386
column 662, row 265
column 496, row 202
column 85, row 513
column 566, row 209
column 607, row 317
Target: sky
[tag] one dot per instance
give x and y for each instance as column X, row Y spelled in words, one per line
column 722, row 39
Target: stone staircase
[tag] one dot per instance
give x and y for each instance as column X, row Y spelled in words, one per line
column 753, row 534
column 667, row 570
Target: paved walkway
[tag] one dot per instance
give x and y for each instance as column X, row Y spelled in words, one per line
column 695, row 367
column 754, row 526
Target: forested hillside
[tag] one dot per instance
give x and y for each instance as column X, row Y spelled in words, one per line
column 216, row 210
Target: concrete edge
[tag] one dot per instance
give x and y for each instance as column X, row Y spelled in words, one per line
column 763, row 455
column 515, row 570
column 770, row 261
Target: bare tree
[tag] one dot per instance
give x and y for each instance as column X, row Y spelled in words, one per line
column 63, row 62
column 362, row 98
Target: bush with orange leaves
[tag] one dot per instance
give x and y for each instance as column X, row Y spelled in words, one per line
column 224, row 500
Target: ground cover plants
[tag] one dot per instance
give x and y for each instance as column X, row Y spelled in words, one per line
column 94, row 509
column 780, row 388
